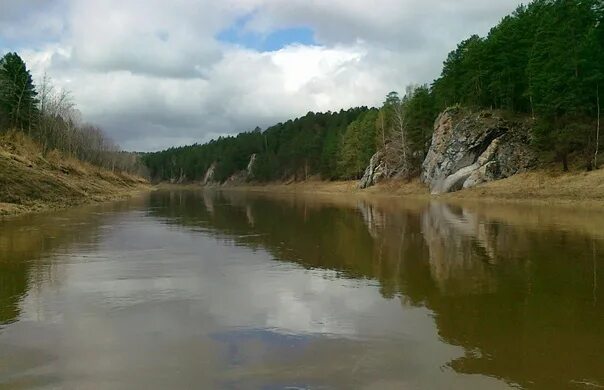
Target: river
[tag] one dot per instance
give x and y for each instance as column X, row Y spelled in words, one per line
column 235, row 290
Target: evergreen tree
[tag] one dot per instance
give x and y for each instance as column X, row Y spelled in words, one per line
column 18, row 103
column 357, row 147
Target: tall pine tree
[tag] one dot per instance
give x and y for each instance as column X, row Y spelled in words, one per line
column 18, row 103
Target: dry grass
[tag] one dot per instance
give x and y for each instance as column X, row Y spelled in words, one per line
column 542, row 186
column 31, row 181
column 388, row 189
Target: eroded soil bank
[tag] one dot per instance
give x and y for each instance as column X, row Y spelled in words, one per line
column 31, row 181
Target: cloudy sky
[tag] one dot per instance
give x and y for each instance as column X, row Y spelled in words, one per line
column 157, row 73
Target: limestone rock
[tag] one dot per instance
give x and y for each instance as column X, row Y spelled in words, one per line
column 470, row 149
column 250, row 165
column 210, row 175
column 388, row 164
column 374, row 172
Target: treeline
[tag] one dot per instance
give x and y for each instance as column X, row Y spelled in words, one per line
column 314, row 144
column 48, row 115
column 545, row 60
column 331, row 145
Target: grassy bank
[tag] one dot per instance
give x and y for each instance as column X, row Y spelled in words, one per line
column 31, row 181
column 540, row 186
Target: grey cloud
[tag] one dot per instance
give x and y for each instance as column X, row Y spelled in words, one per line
column 31, row 22
column 153, row 74
column 403, row 24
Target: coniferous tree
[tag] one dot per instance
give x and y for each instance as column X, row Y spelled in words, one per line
column 18, row 103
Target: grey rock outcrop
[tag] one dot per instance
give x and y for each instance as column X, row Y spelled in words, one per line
column 470, row 149
column 374, row 172
column 243, row 176
column 250, row 165
column 210, row 175
column 388, row 164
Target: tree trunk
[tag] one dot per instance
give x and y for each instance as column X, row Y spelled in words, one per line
column 383, row 126
column 400, row 123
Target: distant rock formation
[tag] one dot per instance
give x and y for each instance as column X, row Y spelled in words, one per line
column 375, row 172
column 388, row 164
column 243, row 176
column 470, row 149
column 250, row 166
column 210, row 175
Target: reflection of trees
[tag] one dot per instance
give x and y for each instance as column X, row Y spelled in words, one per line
column 27, row 243
column 522, row 300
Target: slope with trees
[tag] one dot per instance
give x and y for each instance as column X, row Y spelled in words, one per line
column 545, row 61
column 49, row 116
column 49, row 158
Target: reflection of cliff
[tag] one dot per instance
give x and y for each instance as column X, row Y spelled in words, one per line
column 27, row 242
column 373, row 217
column 523, row 302
column 521, row 299
column 460, row 248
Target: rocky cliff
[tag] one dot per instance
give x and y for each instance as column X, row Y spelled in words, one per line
column 387, row 164
column 472, row 148
column 375, row 171
column 237, row 178
column 209, row 177
column 467, row 149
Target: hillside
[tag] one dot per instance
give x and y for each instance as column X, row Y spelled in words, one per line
column 33, row 181
column 539, row 69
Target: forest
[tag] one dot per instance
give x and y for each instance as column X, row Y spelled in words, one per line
column 48, row 115
column 544, row 61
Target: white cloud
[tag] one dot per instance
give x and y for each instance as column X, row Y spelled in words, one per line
column 152, row 73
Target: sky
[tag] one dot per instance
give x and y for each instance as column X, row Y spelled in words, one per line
column 155, row 73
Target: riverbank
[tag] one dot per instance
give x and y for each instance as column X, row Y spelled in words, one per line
column 543, row 186
column 31, row 181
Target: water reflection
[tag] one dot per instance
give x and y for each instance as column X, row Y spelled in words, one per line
column 27, row 243
column 517, row 290
column 239, row 290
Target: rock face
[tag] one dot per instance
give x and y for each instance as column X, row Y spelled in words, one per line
column 244, row 176
column 470, row 149
column 209, row 177
column 250, row 165
column 388, row 164
column 374, row 172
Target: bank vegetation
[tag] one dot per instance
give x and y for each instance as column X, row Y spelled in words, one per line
column 50, row 157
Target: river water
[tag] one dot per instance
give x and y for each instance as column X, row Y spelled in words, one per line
column 233, row 290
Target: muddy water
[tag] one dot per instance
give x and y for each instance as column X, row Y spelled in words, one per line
column 213, row 290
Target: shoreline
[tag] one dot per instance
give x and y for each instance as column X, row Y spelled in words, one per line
column 33, row 182
column 13, row 210
column 538, row 187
